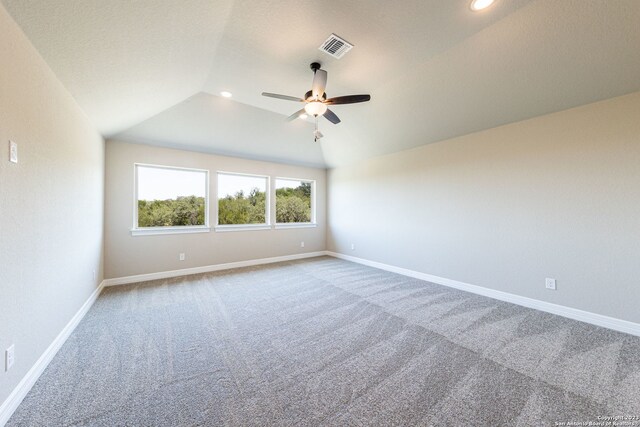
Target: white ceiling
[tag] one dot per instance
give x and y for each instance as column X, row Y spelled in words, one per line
column 214, row 124
column 151, row 70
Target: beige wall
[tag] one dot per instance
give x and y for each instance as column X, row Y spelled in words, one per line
column 51, row 205
column 127, row 255
column 555, row 196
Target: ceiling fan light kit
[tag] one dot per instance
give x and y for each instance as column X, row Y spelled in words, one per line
column 315, row 108
column 316, row 102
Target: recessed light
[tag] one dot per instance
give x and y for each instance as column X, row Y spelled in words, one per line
column 303, row 116
column 226, row 94
column 477, row 5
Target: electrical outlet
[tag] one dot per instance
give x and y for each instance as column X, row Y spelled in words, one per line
column 94, row 275
column 302, row 244
column 550, row 283
column 9, row 357
column 353, row 247
column 181, row 256
column 13, row 152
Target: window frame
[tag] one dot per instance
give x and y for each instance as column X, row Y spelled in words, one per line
column 313, row 222
column 181, row 229
column 244, row 227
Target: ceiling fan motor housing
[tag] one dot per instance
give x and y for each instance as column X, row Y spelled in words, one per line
column 309, row 96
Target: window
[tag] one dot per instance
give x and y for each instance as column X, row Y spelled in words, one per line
column 170, row 200
column 242, row 200
column 295, row 201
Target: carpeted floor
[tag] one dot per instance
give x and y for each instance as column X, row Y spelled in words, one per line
column 328, row 342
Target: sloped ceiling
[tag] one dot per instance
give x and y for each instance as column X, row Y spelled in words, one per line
column 212, row 124
column 151, row 71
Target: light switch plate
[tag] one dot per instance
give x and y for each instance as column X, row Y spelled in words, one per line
column 9, row 357
column 13, row 152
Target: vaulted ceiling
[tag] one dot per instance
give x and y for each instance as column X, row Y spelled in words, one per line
column 152, row 70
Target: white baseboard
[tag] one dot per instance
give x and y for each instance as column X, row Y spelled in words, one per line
column 207, row 269
column 561, row 310
column 12, row 402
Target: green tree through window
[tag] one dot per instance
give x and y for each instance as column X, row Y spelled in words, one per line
column 242, row 199
column 293, row 201
column 170, row 197
column 183, row 211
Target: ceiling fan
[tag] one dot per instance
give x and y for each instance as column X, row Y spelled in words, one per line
column 316, row 102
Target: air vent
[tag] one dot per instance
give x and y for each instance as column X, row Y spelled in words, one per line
column 336, row 46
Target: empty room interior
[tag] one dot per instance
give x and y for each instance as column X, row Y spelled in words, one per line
column 335, row 213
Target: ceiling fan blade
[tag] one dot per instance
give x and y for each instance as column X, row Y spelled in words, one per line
column 319, row 83
column 296, row 115
column 331, row 116
column 285, row 97
column 348, row 99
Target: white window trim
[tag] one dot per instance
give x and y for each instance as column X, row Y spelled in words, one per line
column 241, row 227
column 313, row 223
column 186, row 229
column 152, row 231
column 285, row 225
column 245, row 227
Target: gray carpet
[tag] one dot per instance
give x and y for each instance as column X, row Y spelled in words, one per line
column 328, row 342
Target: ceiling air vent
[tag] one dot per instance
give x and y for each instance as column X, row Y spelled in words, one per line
column 336, row 46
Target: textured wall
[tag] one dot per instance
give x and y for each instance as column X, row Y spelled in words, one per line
column 554, row 196
column 51, row 205
column 127, row 255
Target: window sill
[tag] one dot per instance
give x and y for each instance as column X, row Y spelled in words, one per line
column 152, row 231
column 242, row 227
column 285, row 225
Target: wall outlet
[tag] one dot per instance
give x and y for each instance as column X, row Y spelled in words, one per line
column 13, row 152
column 302, row 244
column 94, row 275
column 181, row 256
column 9, row 357
column 550, row 283
column 353, row 247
